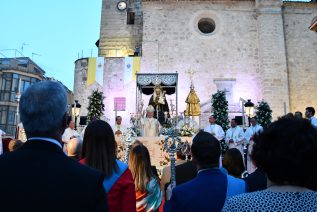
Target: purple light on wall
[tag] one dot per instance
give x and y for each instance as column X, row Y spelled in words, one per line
column 119, row 103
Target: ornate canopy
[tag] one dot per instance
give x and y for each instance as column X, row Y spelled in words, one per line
column 146, row 82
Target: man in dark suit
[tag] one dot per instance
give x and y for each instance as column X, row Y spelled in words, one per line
column 185, row 172
column 207, row 191
column 256, row 181
column 39, row 176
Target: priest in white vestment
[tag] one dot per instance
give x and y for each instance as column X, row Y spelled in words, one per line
column 150, row 125
column 118, row 128
column 235, row 137
column 215, row 129
column 70, row 133
column 255, row 128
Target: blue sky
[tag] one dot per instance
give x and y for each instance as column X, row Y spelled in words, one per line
column 57, row 30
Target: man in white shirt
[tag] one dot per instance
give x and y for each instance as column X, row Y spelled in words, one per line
column 309, row 113
column 70, row 133
column 150, row 125
column 235, row 136
column 118, row 128
column 249, row 136
column 2, row 133
column 215, row 129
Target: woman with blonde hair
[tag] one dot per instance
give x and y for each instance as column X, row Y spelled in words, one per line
column 147, row 189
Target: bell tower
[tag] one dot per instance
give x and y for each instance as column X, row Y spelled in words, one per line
column 121, row 28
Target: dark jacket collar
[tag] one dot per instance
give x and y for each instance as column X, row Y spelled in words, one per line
column 41, row 145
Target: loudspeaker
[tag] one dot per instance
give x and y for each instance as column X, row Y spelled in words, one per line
column 83, row 120
column 238, row 120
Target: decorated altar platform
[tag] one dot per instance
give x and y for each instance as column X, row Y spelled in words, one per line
column 159, row 158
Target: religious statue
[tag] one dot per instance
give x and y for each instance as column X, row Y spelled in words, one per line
column 158, row 101
column 193, row 103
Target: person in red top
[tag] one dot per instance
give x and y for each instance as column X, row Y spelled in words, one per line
column 99, row 151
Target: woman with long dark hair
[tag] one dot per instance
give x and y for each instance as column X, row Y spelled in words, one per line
column 233, row 163
column 147, row 188
column 99, row 152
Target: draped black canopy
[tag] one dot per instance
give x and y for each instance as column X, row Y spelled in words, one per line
column 146, row 83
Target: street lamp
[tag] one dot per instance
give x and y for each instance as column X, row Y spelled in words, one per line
column 248, row 109
column 75, row 111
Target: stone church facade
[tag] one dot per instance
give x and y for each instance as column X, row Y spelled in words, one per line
column 256, row 50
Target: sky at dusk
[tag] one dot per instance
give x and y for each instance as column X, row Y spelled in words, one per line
column 56, row 32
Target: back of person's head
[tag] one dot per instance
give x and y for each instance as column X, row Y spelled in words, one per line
column 140, row 166
column 99, row 147
column 286, row 151
column 74, row 148
column 290, row 115
column 14, row 144
column 311, row 110
column 205, row 150
column 233, row 162
column 298, row 115
column 183, row 150
column 43, row 109
column 180, row 155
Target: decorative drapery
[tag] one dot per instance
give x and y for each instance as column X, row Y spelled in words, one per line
column 157, row 79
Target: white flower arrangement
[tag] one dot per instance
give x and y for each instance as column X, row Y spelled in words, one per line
column 186, row 130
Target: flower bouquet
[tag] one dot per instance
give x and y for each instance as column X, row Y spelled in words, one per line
column 186, row 130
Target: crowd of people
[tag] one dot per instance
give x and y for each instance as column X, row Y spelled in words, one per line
column 58, row 169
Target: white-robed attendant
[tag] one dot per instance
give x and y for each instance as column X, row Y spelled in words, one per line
column 215, row 129
column 249, row 135
column 70, row 133
column 118, row 128
column 150, row 125
column 235, row 136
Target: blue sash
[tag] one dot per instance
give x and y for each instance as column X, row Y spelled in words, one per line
column 235, row 186
column 109, row 182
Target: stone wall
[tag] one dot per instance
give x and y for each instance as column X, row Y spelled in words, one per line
column 117, row 38
column 173, row 43
column 81, row 90
column 272, row 54
column 301, row 46
column 260, row 49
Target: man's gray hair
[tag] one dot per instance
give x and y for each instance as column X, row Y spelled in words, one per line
column 42, row 107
